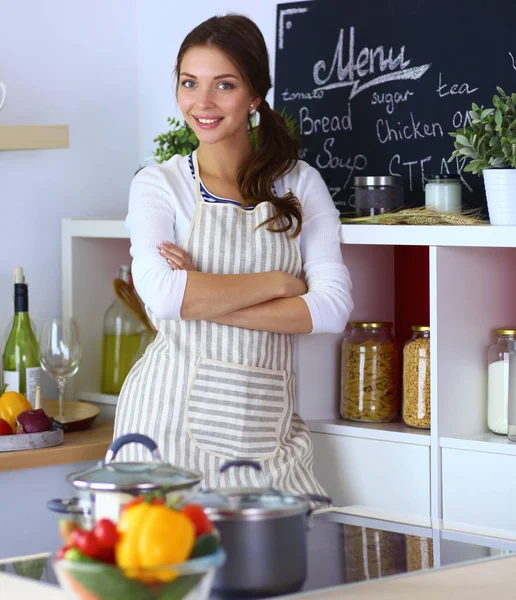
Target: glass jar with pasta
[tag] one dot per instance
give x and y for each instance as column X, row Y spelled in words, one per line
column 416, row 378
column 372, row 553
column 369, row 390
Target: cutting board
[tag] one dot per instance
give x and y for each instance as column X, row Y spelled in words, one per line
column 31, row 441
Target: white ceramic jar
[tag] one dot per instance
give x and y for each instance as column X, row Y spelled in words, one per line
column 443, row 193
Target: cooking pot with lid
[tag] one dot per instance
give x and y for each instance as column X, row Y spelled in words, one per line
column 106, row 487
column 263, row 532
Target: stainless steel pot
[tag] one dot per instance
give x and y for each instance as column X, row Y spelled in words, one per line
column 106, row 487
column 263, row 532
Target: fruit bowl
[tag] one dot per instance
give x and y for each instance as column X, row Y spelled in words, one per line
column 102, row 581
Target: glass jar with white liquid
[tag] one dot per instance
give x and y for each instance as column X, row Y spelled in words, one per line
column 443, row 193
column 498, row 381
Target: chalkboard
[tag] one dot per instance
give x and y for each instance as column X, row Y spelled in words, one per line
column 377, row 85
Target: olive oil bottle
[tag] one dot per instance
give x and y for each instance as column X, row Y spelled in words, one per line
column 121, row 339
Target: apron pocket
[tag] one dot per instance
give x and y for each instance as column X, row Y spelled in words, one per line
column 235, row 411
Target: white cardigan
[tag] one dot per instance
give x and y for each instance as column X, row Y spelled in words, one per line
column 161, row 206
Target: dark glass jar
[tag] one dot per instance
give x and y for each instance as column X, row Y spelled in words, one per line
column 375, row 195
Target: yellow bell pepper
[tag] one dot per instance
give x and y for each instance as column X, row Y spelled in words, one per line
column 11, row 405
column 153, row 536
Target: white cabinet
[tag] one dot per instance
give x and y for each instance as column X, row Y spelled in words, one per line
column 376, row 476
column 407, row 474
column 478, row 492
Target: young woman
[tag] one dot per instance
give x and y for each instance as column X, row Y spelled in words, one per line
column 235, row 251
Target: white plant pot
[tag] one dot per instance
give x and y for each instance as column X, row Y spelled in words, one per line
column 500, row 186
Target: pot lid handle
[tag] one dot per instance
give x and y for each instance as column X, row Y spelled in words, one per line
column 130, row 438
column 242, row 463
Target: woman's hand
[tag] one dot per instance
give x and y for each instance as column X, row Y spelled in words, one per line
column 176, row 257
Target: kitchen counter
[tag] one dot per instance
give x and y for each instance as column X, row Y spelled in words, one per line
column 78, row 446
column 492, row 579
column 356, row 558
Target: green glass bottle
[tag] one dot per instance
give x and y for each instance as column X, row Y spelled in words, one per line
column 120, row 342
column 21, row 366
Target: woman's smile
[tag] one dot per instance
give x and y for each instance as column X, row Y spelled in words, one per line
column 207, row 122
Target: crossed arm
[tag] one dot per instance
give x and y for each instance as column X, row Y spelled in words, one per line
column 262, row 301
column 278, row 302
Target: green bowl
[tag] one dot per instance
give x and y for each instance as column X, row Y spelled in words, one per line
column 102, row 581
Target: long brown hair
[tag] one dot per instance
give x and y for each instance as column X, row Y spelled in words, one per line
column 277, row 151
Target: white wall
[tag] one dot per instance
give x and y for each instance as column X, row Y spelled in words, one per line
column 161, row 29
column 104, row 68
column 72, row 63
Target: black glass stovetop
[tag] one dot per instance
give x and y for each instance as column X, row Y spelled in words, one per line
column 346, row 549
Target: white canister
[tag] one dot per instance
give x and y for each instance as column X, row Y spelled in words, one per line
column 498, row 380
column 443, row 193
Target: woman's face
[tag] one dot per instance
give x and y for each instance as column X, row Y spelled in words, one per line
column 212, row 95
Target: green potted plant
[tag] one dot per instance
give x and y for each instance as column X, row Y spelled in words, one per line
column 180, row 138
column 488, row 143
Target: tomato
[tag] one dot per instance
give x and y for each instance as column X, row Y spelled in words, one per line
column 61, row 552
column 105, row 533
column 85, row 541
column 199, row 518
column 5, row 428
column 107, row 555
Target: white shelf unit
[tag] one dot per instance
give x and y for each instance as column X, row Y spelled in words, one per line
column 389, row 432
column 92, row 252
column 412, row 475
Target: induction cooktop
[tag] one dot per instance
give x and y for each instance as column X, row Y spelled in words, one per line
column 346, row 549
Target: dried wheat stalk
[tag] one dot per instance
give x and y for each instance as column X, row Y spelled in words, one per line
column 420, row 216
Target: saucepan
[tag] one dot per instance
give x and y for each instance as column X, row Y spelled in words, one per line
column 105, row 488
column 263, row 532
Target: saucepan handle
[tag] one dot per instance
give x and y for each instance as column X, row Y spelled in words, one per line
column 310, row 511
column 319, row 498
column 70, row 507
column 130, row 438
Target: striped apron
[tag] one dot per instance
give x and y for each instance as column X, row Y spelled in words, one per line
column 208, row 393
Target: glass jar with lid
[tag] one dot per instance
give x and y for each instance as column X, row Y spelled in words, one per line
column 416, row 378
column 369, row 390
column 375, row 195
column 498, row 380
column 443, row 193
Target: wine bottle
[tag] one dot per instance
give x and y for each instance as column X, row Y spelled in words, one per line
column 22, row 370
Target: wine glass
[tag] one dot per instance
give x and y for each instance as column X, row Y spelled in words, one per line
column 60, row 353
